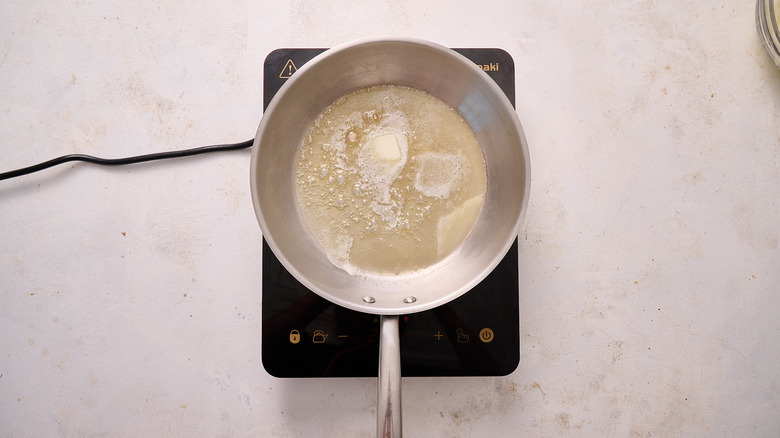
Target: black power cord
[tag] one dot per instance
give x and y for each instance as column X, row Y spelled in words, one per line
column 126, row 160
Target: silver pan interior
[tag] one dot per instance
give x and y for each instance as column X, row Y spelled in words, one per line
column 414, row 63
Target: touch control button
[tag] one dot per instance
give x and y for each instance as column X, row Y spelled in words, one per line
column 319, row 337
column 486, row 335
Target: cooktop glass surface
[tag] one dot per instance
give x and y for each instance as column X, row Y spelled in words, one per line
column 307, row 336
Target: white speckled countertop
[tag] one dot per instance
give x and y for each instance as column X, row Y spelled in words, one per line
column 649, row 259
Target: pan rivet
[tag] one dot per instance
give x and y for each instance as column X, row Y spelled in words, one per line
column 369, row 299
column 409, row 300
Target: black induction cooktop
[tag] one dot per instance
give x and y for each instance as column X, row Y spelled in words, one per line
column 307, row 336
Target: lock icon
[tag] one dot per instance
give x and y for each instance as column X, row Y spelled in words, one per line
column 295, row 337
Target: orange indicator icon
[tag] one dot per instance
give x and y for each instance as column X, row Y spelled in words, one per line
column 486, row 335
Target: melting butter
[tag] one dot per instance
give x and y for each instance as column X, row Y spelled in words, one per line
column 390, row 180
column 385, row 148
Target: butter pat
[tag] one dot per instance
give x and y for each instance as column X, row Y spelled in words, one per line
column 385, row 147
column 453, row 228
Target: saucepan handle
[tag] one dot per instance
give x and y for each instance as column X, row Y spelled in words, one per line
column 389, row 390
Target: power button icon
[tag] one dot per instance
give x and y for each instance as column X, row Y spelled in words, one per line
column 486, row 335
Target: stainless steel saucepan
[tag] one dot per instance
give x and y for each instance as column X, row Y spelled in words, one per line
column 460, row 83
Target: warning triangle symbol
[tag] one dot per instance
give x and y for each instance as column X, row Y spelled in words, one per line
column 288, row 70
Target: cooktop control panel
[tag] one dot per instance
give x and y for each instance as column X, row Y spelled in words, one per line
column 307, row 336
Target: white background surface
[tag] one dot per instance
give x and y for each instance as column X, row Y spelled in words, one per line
column 649, row 260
